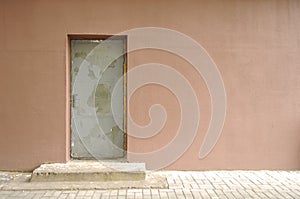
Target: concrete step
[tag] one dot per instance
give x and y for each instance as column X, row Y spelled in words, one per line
column 89, row 170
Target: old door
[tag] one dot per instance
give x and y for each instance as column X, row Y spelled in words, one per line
column 96, row 66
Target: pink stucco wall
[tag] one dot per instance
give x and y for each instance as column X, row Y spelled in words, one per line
column 255, row 44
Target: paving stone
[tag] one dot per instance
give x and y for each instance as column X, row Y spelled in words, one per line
column 212, row 184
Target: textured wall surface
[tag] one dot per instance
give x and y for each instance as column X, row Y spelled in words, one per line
column 255, row 44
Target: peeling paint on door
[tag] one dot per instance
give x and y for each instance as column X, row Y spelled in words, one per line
column 101, row 99
column 95, row 72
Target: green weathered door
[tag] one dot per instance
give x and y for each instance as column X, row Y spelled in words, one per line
column 96, row 66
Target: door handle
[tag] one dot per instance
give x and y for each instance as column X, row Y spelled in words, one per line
column 74, row 100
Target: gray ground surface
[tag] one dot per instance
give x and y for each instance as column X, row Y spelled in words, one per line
column 210, row 184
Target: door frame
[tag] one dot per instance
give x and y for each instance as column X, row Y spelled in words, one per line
column 69, row 86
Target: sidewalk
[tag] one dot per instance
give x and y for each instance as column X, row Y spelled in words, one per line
column 210, row 184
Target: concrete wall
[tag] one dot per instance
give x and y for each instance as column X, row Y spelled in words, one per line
column 255, row 44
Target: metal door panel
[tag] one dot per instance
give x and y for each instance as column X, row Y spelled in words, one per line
column 96, row 68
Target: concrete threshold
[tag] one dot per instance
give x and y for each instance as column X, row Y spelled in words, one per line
column 87, row 175
column 91, row 171
column 152, row 181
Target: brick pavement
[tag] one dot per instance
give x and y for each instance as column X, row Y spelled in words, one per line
column 210, row 184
